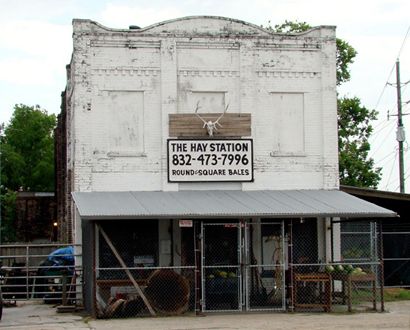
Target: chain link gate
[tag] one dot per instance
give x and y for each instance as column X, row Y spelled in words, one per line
column 221, row 266
column 265, row 261
column 243, row 266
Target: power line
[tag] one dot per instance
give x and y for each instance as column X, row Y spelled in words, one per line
column 375, row 134
column 400, row 134
column 392, row 69
column 404, row 42
column 393, row 153
column 382, row 143
column 407, row 173
column 390, row 160
column 395, row 180
column 391, row 171
column 384, row 87
column 382, row 122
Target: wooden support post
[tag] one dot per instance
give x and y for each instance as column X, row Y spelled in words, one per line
column 64, row 290
column 127, row 271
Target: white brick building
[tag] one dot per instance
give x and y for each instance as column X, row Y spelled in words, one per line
column 130, row 91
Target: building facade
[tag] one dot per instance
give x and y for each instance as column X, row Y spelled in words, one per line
column 199, row 145
column 35, row 217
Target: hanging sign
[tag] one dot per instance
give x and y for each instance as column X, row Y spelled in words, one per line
column 210, row 160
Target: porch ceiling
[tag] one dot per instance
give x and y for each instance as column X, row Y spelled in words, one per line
column 224, row 203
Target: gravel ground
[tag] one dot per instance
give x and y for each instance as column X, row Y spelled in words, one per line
column 35, row 316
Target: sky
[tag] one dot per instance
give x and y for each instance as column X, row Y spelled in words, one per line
column 36, row 45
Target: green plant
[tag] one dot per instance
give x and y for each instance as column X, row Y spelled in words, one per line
column 8, row 209
column 396, row 294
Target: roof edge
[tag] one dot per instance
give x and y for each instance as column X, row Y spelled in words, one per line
column 184, row 18
column 371, row 192
column 266, row 203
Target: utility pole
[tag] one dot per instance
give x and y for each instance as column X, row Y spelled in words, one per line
column 400, row 134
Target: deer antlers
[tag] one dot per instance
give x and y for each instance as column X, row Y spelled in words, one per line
column 210, row 125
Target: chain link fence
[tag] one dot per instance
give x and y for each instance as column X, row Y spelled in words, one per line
column 362, row 281
column 396, row 253
column 223, row 266
column 148, row 291
column 130, row 280
column 351, row 279
column 310, row 284
column 253, row 265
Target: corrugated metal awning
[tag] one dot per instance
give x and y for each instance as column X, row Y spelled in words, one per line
column 224, row 203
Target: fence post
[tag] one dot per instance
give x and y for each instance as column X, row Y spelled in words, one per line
column 64, row 288
column 27, row 271
column 381, row 260
column 198, row 275
column 291, row 284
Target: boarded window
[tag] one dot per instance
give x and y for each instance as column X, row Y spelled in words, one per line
column 288, row 122
column 120, row 121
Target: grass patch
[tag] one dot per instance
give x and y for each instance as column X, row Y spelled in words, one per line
column 390, row 294
column 361, row 295
column 396, row 294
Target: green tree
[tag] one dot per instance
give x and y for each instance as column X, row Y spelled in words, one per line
column 8, row 214
column 355, row 166
column 27, row 150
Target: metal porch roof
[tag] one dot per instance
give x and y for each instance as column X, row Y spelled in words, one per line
column 224, row 203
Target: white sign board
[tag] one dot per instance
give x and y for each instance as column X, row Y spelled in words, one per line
column 210, row 160
column 185, row 223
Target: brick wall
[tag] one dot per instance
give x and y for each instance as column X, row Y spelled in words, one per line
column 62, row 181
column 127, row 83
column 123, row 84
column 35, row 215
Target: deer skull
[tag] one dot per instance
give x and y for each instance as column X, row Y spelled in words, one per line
column 211, row 126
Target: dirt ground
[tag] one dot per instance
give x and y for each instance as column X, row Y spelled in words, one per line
column 36, row 316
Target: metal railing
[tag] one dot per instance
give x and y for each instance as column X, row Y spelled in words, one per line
column 26, row 273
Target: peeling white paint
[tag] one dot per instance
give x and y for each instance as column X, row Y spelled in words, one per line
column 124, row 83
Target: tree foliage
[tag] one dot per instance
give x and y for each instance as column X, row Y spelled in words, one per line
column 27, row 150
column 289, row 27
column 8, row 214
column 355, row 166
column 345, row 55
